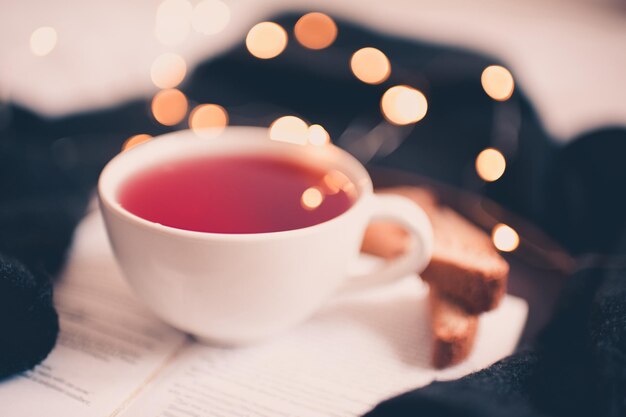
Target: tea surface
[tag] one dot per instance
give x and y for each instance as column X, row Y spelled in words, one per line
column 237, row 194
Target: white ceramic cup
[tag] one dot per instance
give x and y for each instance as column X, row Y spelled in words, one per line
column 237, row 288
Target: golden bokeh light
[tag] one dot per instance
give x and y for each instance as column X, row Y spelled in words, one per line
column 135, row 140
column 173, row 22
column 312, row 198
column 490, row 164
column 290, row 129
column 402, row 105
column 497, row 82
column 208, row 120
column 370, row 65
column 169, row 107
column 210, row 17
column 505, row 238
column 335, row 181
column 168, row 70
column 318, row 136
column 315, row 30
column 43, row 40
column 266, row 40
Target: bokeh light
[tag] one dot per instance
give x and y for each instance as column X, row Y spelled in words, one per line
column 43, row 40
column 370, row 65
column 208, row 120
column 497, row 82
column 168, row 70
column 336, row 181
column 210, row 17
column 505, row 238
column 290, row 129
column 402, row 105
column 315, row 30
column 266, row 40
column 312, row 198
column 490, row 164
column 169, row 107
column 318, row 136
column 173, row 22
column 135, row 140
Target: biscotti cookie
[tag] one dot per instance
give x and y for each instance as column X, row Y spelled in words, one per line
column 453, row 330
column 388, row 240
column 465, row 266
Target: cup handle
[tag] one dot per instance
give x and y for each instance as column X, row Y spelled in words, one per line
column 406, row 213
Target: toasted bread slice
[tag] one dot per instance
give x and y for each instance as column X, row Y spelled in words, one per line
column 453, row 330
column 465, row 266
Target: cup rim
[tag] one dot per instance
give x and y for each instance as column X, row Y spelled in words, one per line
column 246, row 135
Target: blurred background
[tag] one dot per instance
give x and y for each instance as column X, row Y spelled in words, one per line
column 568, row 55
column 501, row 98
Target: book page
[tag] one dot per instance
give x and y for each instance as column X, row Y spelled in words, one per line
column 357, row 351
column 109, row 345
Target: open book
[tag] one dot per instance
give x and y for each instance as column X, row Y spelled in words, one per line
column 114, row 358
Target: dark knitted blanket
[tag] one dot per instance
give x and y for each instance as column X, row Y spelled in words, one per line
column 577, row 367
